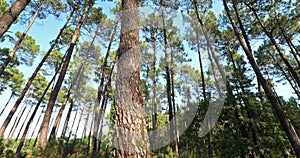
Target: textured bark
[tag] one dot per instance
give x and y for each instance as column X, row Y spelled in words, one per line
column 45, row 123
column 29, row 82
column 17, row 45
column 131, row 132
column 283, row 118
column 11, row 15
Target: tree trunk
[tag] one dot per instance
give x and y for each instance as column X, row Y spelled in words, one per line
column 11, row 15
column 10, row 97
column 80, row 118
column 100, row 91
column 59, row 115
column 131, row 132
column 15, row 49
column 277, row 47
column 174, row 106
column 154, row 100
column 54, row 93
column 23, row 138
column 28, row 84
column 14, row 128
column 168, row 80
column 68, row 119
column 283, row 118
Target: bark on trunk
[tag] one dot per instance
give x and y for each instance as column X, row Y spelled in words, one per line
column 131, row 132
column 17, row 45
column 11, row 15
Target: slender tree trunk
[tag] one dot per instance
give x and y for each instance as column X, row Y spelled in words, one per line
column 15, row 122
column 10, row 97
column 12, row 132
column 216, row 59
column 131, row 132
column 277, row 47
column 54, row 93
column 100, row 90
column 80, row 118
column 23, row 138
column 292, row 47
column 59, row 115
column 11, row 15
column 210, row 150
column 154, row 100
column 13, row 52
column 22, row 126
column 104, row 105
column 283, row 118
column 168, row 76
column 28, row 84
column 68, row 119
column 174, row 106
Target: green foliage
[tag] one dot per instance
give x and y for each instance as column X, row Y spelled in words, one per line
column 28, row 49
column 96, row 16
column 3, row 6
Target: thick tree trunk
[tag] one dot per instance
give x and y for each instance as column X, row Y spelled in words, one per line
column 54, row 93
column 17, row 45
column 28, row 84
column 131, row 132
column 283, row 118
column 11, row 15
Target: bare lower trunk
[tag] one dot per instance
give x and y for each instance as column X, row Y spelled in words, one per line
column 131, row 132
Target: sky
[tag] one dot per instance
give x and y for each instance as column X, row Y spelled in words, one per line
column 46, row 30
